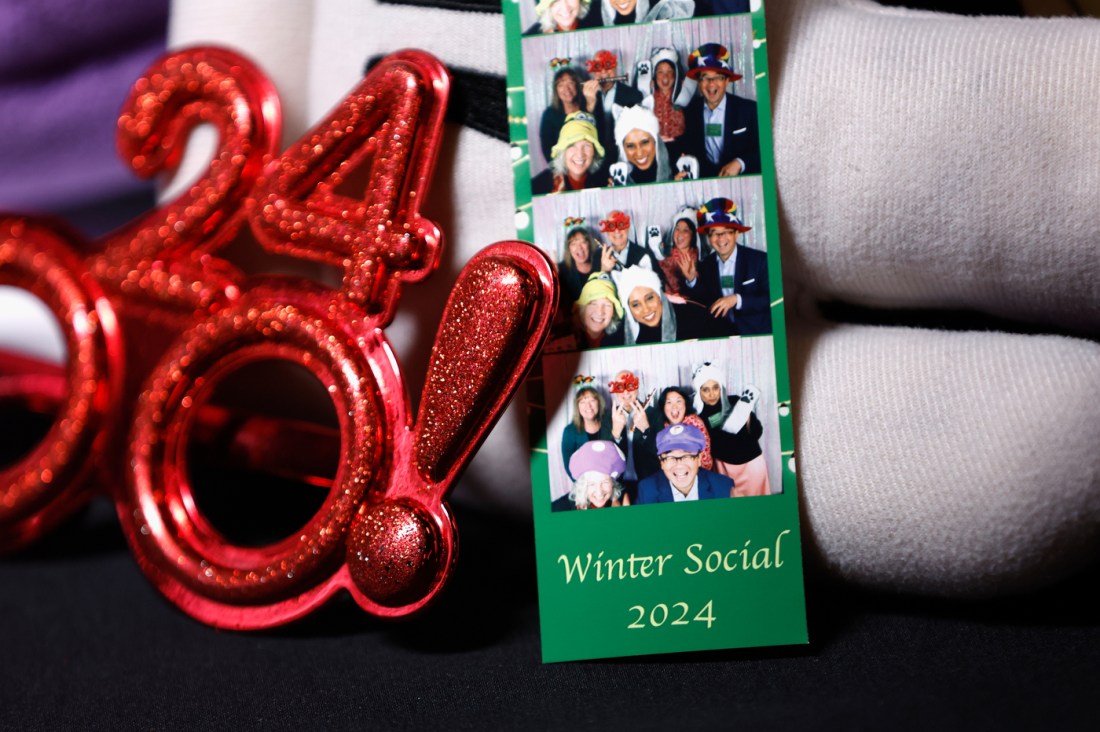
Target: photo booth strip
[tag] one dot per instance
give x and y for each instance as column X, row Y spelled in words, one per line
column 734, row 576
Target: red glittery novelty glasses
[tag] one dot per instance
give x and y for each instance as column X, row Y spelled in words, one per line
column 602, row 61
column 617, row 221
column 629, row 382
column 156, row 321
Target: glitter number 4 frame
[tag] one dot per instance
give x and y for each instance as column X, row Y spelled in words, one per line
column 383, row 533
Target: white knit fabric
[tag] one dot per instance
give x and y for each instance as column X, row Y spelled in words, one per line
column 948, row 463
column 929, row 160
column 923, row 160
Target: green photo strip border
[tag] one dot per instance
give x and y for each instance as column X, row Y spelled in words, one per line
column 585, row 619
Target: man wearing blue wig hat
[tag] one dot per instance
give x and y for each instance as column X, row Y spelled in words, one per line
column 681, row 478
column 732, row 281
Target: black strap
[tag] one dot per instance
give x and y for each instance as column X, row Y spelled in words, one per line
column 477, row 100
column 474, row 6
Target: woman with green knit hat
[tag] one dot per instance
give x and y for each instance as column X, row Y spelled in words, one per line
column 598, row 314
column 576, row 161
column 596, row 318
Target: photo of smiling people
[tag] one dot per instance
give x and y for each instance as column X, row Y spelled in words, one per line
column 645, row 104
column 663, row 424
column 658, row 264
column 561, row 16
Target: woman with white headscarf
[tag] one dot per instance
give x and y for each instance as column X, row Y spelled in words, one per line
column 641, row 148
column 652, row 318
column 622, row 12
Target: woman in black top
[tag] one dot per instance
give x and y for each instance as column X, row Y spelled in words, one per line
column 653, row 318
column 734, row 432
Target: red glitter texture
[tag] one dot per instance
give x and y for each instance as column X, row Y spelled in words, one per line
column 615, row 221
column 156, row 320
column 629, row 382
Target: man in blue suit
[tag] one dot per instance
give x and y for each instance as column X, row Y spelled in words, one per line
column 732, row 281
column 720, row 129
column 681, row 478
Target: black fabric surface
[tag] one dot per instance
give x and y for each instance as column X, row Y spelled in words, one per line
column 88, row 643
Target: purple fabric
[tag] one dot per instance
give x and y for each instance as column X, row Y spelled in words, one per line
column 65, row 69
